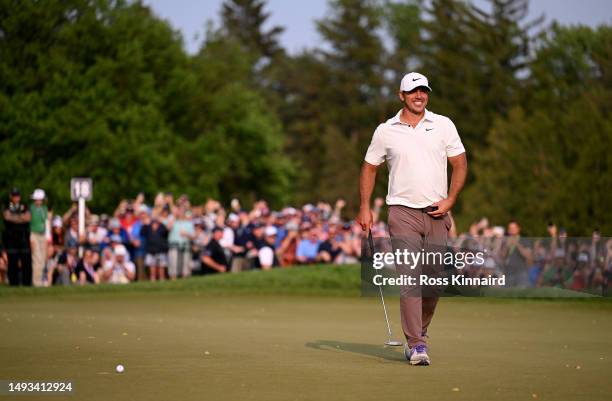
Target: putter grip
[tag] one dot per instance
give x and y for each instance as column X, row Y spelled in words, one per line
column 371, row 243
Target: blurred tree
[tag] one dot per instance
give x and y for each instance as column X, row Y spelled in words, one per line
column 106, row 90
column 355, row 55
column 80, row 97
column 549, row 158
column 244, row 21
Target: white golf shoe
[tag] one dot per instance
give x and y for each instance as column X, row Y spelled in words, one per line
column 417, row 355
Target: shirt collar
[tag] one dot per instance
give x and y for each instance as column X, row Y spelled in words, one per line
column 429, row 116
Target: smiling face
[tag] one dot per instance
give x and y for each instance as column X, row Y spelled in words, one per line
column 415, row 100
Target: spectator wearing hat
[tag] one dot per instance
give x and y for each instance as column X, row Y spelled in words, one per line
column 38, row 238
column 57, row 233
column 267, row 255
column 115, row 231
column 213, row 258
column 17, row 219
column 119, row 270
column 96, row 234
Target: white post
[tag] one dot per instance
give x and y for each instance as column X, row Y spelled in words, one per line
column 81, row 223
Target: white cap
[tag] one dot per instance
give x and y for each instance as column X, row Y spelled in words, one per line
column 233, row 217
column 120, row 250
column 270, row 231
column 39, row 194
column 57, row 222
column 413, row 80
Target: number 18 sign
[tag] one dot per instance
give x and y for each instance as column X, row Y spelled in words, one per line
column 81, row 188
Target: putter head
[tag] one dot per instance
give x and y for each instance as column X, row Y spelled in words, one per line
column 394, row 343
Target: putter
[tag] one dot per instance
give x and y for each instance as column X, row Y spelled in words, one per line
column 390, row 342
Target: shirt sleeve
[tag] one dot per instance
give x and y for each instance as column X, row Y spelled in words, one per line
column 454, row 147
column 376, row 153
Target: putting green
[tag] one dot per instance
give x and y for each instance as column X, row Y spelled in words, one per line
column 191, row 345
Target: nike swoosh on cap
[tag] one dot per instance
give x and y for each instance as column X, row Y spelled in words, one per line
column 415, row 79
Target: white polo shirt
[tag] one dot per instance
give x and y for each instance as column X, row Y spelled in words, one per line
column 417, row 158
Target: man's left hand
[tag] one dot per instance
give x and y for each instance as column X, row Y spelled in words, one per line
column 443, row 205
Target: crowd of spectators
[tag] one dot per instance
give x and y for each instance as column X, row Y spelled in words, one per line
column 173, row 238
column 575, row 263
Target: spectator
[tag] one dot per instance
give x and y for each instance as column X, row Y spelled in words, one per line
column 242, row 235
column 3, row 265
column 517, row 255
column 288, row 247
column 17, row 240
column 86, row 268
column 38, row 238
column 58, row 235
column 182, row 232
column 71, row 236
column 96, row 234
column 266, row 255
column 137, row 241
column 64, row 271
column 116, row 233
column 255, row 243
column 53, row 253
column 329, row 249
column 198, row 244
column 213, row 258
column 155, row 236
column 119, row 270
column 308, row 247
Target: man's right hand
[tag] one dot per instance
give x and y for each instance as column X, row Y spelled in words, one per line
column 365, row 218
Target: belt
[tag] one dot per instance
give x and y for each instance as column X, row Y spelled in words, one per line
column 422, row 209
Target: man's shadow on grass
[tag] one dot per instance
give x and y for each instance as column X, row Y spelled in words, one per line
column 378, row 351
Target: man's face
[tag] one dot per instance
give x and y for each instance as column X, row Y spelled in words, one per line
column 415, row 100
column 15, row 199
column 514, row 229
column 217, row 235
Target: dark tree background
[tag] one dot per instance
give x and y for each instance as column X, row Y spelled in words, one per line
column 105, row 89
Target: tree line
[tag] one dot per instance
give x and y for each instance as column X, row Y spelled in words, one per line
column 106, row 89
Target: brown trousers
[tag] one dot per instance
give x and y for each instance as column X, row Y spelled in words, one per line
column 416, row 230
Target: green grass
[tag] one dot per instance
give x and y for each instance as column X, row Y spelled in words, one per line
column 317, row 280
column 298, row 334
column 324, row 280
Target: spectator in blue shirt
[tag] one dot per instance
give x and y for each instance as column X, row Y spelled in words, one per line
column 308, row 247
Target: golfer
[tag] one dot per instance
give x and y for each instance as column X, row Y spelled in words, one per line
column 416, row 144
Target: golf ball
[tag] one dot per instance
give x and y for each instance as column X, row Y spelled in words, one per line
column 119, row 368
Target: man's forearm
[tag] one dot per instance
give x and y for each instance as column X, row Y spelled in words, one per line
column 17, row 218
column 458, row 177
column 366, row 184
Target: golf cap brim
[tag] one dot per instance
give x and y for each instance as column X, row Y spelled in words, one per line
column 414, row 80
